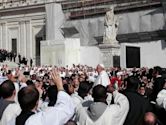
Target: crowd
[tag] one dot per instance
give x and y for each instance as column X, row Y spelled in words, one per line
column 11, row 56
column 82, row 95
column 6, row 55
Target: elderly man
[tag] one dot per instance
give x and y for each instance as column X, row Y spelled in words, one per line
column 102, row 78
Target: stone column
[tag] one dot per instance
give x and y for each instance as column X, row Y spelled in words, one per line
column 31, row 39
column 164, row 10
column 28, row 39
column 4, row 36
column 22, row 38
column 0, row 35
column 55, row 19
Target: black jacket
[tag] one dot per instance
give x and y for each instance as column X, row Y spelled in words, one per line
column 138, row 106
column 157, row 87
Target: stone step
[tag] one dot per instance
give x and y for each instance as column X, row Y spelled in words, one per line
column 9, row 64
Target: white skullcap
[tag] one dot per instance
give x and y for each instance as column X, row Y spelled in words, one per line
column 102, row 65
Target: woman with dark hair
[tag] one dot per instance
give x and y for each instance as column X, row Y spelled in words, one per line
column 52, row 95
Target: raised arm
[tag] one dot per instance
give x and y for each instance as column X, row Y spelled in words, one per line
column 120, row 106
column 62, row 111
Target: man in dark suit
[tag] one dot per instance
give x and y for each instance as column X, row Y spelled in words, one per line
column 138, row 104
column 14, row 56
column 19, row 58
column 158, row 82
column 31, row 62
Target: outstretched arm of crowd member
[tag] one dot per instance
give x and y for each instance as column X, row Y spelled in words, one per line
column 120, row 106
column 60, row 113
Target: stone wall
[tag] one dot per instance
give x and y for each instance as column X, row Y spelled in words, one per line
column 151, row 53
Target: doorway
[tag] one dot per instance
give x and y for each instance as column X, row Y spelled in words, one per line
column 14, row 45
column 116, row 61
column 132, row 57
column 38, row 39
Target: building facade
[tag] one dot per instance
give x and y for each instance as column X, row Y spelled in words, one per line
column 22, row 27
column 141, row 24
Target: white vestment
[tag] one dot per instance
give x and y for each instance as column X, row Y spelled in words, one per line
column 102, row 79
column 77, row 100
column 57, row 115
column 161, row 99
column 10, row 114
column 115, row 114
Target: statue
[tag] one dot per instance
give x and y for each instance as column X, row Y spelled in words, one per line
column 111, row 27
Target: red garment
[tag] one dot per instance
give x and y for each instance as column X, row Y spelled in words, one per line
column 114, row 79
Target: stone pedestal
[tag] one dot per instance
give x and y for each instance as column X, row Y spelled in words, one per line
column 69, row 52
column 108, row 52
column 60, row 53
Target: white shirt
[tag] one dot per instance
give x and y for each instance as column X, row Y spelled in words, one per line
column 23, row 85
column 57, row 115
column 31, row 72
column 62, row 74
column 102, row 79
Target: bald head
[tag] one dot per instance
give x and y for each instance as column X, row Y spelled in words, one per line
column 149, row 119
column 70, row 122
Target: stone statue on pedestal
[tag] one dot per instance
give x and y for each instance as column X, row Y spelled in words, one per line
column 111, row 27
column 110, row 46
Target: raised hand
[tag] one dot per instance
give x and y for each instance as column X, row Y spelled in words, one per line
column 57, row 79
